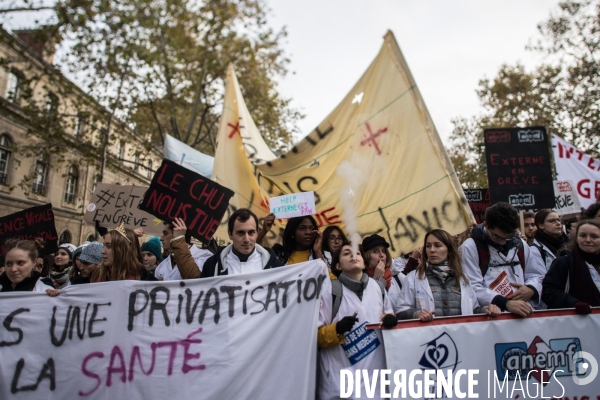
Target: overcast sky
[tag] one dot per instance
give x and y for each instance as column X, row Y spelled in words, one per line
column 449, row 46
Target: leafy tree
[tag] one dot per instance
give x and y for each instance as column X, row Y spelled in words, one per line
column 562, row 94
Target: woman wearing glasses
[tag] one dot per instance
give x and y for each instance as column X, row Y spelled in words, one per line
column 573, row 280
column 549, row 237
column 333, row 237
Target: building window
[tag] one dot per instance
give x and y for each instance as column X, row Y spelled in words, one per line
column 95, row 183
column 80, row 124
column 13, row 87
column 41, row 175
column 121, row 150
column 52, row 105
column 136, row 161
column 92, row 238
column 72, row 181
column 149, row 169
column 65, row 237
column 4, row 158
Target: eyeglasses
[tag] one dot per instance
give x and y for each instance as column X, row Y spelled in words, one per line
column 335, row 238
column 497, row 238
column 553, row 220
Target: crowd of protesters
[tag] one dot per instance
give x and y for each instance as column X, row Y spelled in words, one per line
column 498, row 266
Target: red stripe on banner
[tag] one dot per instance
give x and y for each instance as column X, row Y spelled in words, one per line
column 480, row 318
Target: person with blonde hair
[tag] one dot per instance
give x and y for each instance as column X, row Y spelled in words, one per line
column 121, row 258
column 439, row 285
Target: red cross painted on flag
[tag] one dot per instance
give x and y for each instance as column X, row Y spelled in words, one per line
column 371, row 138
column 236, row 128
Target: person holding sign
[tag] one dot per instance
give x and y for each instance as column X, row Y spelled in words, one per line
column 301, row 241
column 439, row 286
column 243, row 255
column 500, row 265
column 19, row 262
column 121, row 258
column 573, row 280
column 344, row 341
column 186, row 260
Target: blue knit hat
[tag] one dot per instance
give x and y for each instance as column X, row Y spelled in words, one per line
column 92, row 253
column 154, row 246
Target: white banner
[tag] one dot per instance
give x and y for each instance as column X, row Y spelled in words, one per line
column 187, row 156
column 508, row 353
column 249, row 336
column 565, row 198
column 576, row 166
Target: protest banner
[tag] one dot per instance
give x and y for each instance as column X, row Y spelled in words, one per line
column 578, row 167
column 29, row 224
column 177, row 192
column 376, row 162
column 566, row 199
column 518, row 165
column 112, row 205
column 230, row 337
column 479, row 201
column 293, row 205
column 187, row 156
column 542, row 356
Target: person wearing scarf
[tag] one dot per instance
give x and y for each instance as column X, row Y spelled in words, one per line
column 63, row 260
column 20, row 274
column 439, row 286
column 573, row 280
column 549, row 237
column 363, row 301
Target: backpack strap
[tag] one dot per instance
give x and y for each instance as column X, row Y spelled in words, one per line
column 483, row 253
column 336, row 295
column 397, row 281
column 542, row 252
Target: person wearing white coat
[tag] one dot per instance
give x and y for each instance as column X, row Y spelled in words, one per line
column 440, row 272
column 343, row 340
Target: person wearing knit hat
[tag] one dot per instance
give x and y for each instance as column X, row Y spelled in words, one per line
column 76, row 268
column 91, row 258
column 63, row 260
column 152, row 254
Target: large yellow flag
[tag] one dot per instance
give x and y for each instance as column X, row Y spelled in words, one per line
column 376, row 163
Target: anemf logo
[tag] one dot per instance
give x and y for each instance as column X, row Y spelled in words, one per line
column 473, row 195
column 440, row 353
column 531, row 135
column 560, row 356
column 520, row 200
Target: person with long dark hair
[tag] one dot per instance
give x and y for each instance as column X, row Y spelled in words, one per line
column 549, row 237
column 573, row 280
column 302, row 241
column 333, row 238
column 439, row 286
column 63, row 261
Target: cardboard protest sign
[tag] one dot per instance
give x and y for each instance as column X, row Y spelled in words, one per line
column 574, row 165
column 29, row 224
column 519, row 170
column 113, row 204
column 230, row 337
column 177, row 192
column 565, row 198
column 405, row 183
column 293, row 205
column 479, row 201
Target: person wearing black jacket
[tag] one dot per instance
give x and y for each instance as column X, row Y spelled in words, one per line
column 573, row 280
column 243, row 255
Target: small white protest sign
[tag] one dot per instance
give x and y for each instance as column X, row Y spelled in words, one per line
column 293, row 205
column 566, row 198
